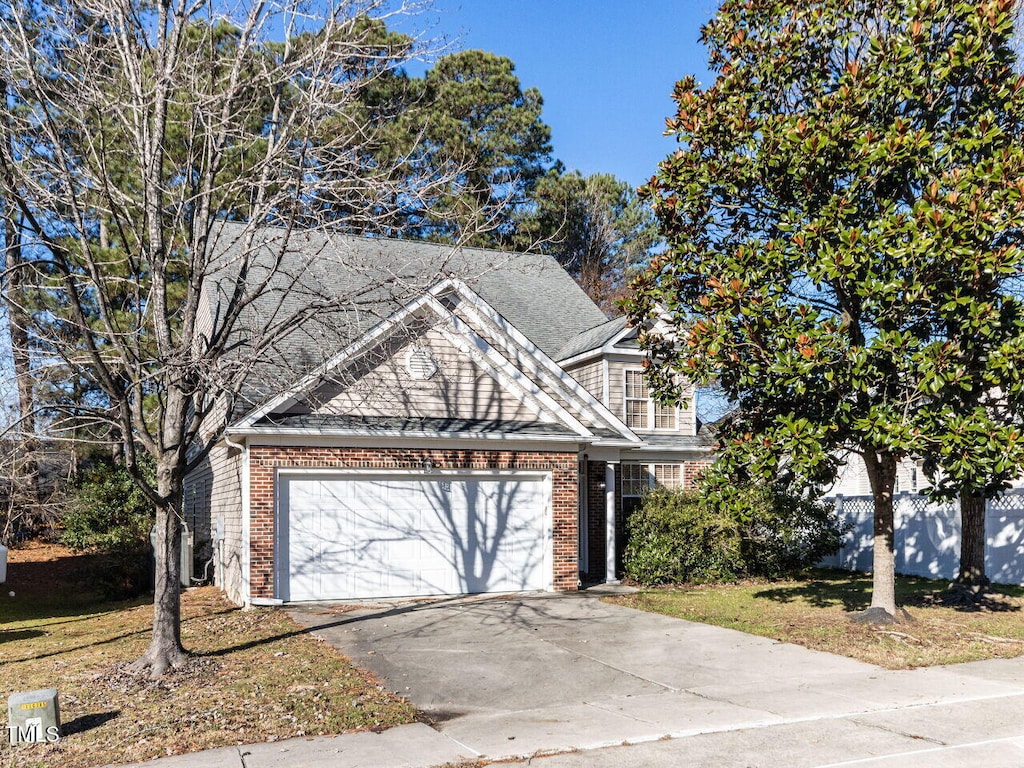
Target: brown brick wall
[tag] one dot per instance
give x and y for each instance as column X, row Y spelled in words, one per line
column 265, row 460
column 692, row 470
column 596, row 522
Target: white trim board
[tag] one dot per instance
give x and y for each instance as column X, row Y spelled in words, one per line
column 341, row 438
column 369, row 472
column 543, row 366
column 606, row 349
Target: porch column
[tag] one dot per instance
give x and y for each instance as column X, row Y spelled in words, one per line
column 609, row 502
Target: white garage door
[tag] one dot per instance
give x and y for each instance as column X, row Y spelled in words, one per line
column 395, row 536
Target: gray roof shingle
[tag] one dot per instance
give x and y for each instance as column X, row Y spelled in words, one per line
column 701, row 440
column 341, row 286
column 592, row 338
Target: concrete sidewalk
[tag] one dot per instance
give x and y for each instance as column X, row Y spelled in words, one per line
column 982, row 733
column 517, row 677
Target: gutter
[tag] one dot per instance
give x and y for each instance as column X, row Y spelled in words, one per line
column 407, row 434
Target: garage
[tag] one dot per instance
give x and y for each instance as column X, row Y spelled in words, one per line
column 397, row 535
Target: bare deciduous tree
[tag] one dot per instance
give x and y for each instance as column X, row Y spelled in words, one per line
column 130, row 130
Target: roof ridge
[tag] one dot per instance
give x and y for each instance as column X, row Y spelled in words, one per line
column 389, row 239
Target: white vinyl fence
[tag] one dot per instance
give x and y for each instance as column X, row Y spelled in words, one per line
column 928, row 536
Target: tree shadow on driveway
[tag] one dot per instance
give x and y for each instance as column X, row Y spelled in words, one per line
column 518, row 611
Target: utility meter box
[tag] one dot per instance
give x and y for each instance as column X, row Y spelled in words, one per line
column 33, row 716
column 186, row 553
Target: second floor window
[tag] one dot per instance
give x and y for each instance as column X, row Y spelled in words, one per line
column 636, row 400
column 641, row 411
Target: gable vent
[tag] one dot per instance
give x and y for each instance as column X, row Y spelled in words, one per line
column 420, row 363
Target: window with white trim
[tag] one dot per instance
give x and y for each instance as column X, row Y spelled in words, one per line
column 635, row 479
column 641, row 411
column 637, row 400
column 668, row 475
column 666, row 416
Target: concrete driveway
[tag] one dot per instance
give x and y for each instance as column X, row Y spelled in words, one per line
column 514, row 676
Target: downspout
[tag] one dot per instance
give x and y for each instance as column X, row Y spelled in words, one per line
column 243, row 484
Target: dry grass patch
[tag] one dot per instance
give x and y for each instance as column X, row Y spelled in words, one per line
column 256, row 676
column 815, row 613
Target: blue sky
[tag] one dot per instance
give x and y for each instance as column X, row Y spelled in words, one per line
column 605, row 68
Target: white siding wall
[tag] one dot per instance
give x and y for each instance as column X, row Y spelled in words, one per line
column 459, row 389
column 213, row 491
column 853, row 478
column 687, row 420
column 590, row 376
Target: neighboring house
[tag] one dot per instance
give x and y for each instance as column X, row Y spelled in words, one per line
column 852, row 478
column 467, row 421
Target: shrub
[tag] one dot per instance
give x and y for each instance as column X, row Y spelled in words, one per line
column 682, row 536
column 109, row 514
column 783, row 532
column 674, row 536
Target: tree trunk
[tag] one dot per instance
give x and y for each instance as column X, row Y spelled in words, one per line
column 165, row 649
column 972, row 542
column 881, row 471
column 17, row 323
column 27, row 477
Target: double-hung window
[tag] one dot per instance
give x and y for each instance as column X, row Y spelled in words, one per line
column 667, row 475
column 638, row 478
column 635, row 479
column 641, row 411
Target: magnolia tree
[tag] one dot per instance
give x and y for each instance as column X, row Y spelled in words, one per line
column 129, row 130
column 839, row 217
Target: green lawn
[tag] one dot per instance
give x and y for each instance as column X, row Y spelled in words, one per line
column 814, row 612
column 256, row 675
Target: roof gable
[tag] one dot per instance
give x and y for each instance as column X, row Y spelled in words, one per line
column 529, row 385
column 417, row 373
column 371, row 277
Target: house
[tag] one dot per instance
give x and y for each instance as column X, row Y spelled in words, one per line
column 852, row 477
column 453, row 421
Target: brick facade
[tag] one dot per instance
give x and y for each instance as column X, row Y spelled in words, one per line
column 692, row 470
column 265, row 460
column 595, row 521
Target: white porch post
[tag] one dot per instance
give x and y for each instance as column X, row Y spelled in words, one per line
column 609, row 502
